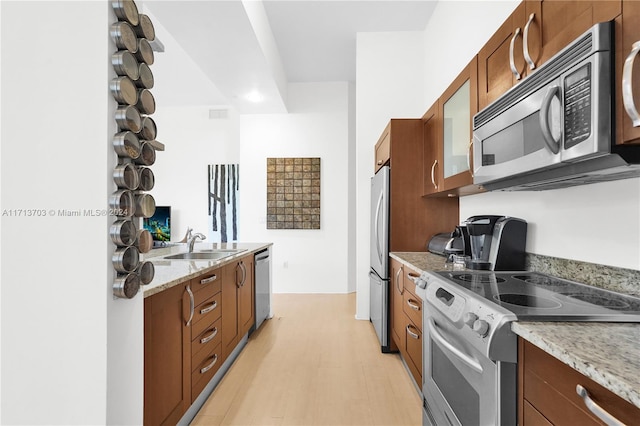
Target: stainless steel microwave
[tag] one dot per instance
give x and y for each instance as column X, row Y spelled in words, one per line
column 556, row 128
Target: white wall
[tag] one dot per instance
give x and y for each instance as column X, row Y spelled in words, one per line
column 389, row 75
column 58, row 313
column 192, row 142
column 304, row 261
column 595, row 223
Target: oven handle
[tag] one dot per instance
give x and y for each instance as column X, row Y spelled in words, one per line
column 433, row 332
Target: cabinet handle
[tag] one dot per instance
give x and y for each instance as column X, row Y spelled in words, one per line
column 400, row 290
column 413, row 305
column 433, row 174
column 209, row 308
column 469, row 157
column 525, row 43
column 209, row 280
column 411, row 333
column 209, row 337
column 512, row 62
column 192, row 304
column 210, row 366
column 600, row 412
column 627, row 87
column 244, row 273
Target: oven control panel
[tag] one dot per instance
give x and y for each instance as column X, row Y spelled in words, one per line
column 466, row 318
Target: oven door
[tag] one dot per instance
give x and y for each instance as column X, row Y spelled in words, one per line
column 461, row 386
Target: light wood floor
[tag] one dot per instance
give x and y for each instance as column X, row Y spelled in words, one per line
column 314, row 364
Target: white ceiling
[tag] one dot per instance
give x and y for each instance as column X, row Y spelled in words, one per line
column 240, row 47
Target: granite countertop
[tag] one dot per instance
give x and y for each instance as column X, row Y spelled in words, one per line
column 169, row 273
column 607, row 353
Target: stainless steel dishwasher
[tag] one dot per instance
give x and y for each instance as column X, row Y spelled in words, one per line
column 263, row 285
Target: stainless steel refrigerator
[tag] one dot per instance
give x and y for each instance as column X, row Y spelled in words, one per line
column 379, row 257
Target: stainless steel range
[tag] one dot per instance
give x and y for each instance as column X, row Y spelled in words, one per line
column 470, row 352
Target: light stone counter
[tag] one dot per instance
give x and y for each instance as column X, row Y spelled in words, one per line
column 169, row 273
column 607, row 353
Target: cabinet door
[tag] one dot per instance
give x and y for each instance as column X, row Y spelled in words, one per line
column 458, row 104
column 501, row 62
column 383, row 148
column 166, row 356
column 432, row 163
column 564, row 21
column 398, row 318
column 229, row 308
column 627, row 34
column 246, row 301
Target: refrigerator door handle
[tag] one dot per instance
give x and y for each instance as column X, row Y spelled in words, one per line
column 374, row 276
column 378, row 248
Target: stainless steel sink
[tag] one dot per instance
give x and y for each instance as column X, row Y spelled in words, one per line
column 213, row 254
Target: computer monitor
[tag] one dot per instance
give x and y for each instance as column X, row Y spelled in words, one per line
column 159, row 225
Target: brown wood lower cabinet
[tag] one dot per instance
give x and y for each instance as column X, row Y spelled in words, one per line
column 185, row 347
column 547, row 393
column 406, row 317
column 167, row 393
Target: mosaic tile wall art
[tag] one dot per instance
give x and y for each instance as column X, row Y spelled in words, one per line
column 293, row 193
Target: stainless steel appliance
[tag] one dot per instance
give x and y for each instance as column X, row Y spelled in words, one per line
column 497, row 242
column 556, row 127
column 470, row 352
column 263, row 286
column 378, row 257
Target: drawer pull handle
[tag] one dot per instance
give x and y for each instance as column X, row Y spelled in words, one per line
column 600, row 412
column 209, row 337
column 411, row 333
column 210, row 308
column 413, row 305
column 210, row 366
column 212, row 278
column 191, row 305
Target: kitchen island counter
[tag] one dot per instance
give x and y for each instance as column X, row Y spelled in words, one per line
column 169, row 273
column 607, row 353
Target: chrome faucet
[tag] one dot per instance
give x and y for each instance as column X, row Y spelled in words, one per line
column 192, row 240
column 187, row 235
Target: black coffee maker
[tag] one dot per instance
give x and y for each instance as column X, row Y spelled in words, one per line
column 497, row 243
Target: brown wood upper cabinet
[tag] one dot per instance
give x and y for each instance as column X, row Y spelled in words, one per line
column 383, row 149
column 409, row 228
column 506, row 58
column 456, row 107
column 532, row 34
column 627, row 48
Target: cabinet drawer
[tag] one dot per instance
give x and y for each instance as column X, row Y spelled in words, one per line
column 206, row 286
column 414, row 351
column 550, row 387
column 205, row 314
column 204, row 344
column 412, row 307
column 205, row 371
column 408, row 283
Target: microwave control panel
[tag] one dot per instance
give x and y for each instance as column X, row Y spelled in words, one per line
column 577, row 106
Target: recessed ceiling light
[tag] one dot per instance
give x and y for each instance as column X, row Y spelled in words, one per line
column 254, row 96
